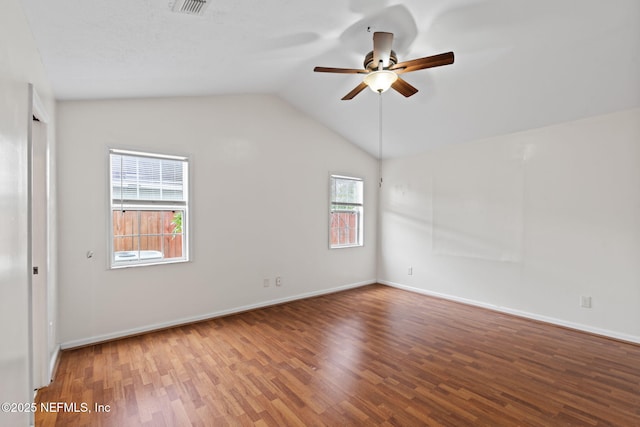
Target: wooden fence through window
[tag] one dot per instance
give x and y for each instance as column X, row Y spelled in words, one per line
column 344, row 228
column 154, row 230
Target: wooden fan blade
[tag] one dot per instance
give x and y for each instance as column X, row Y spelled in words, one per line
column 339, row 70
column 422, row 63
column 382, row 48
column 404, row 88
column 355, row 91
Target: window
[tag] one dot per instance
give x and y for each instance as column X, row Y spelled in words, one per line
column 345, row 225
column 149, row 208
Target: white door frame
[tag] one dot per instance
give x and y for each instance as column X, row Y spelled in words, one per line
column 38, row 214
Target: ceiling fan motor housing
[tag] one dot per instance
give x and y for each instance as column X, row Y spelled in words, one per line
column 369, row 65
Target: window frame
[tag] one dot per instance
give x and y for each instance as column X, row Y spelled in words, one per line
column 360, row 206
column 157, row 205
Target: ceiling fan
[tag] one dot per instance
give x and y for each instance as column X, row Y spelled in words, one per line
column 382, row 69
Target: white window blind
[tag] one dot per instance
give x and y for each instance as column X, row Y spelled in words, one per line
column 146, row 178
column 346, row 191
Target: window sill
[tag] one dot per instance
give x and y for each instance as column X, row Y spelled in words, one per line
column 345, row 246
column 146, row 264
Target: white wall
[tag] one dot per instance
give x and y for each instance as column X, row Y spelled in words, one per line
column 19, row 65
column 526, row 223
column 260, row 172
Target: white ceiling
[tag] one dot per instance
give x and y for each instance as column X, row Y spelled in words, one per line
column 519, row 64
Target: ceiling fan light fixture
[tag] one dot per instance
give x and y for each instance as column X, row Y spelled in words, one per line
column 380, row 81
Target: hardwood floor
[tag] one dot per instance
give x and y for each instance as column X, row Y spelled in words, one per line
column 369, row 356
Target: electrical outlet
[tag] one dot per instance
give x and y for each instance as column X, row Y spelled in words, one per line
column 410, row 271
column 278, row 281
column 266, row 283
column 585, row 302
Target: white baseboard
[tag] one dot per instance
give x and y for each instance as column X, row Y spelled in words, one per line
column 149, row 328
column 520, row 313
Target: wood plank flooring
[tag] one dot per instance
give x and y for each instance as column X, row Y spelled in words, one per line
column 369, row 356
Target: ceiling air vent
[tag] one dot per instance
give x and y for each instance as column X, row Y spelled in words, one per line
column 192, row 7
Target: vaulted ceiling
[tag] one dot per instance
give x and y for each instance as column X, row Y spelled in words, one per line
column 519, row 64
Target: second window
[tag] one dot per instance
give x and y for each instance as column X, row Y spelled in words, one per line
column 346, row 212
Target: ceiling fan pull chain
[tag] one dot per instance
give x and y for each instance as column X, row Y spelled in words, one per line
column 380, row 137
